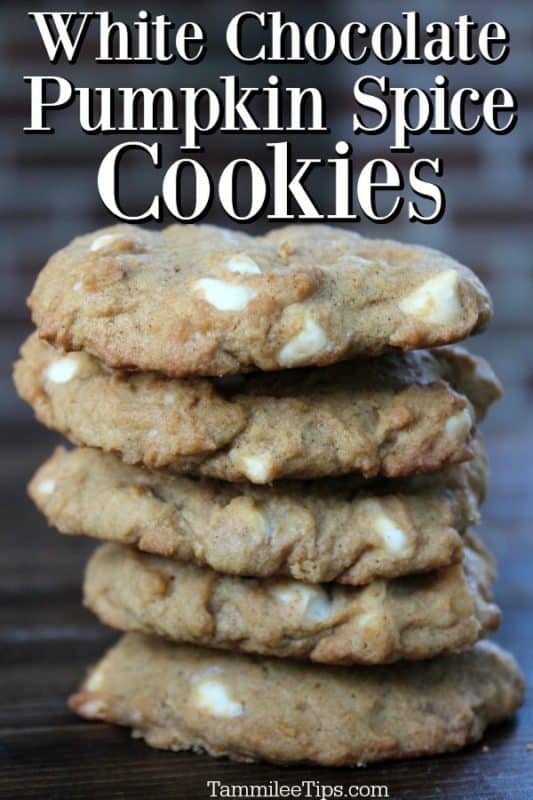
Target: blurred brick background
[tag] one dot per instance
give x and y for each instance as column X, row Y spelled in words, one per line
column 49, row 189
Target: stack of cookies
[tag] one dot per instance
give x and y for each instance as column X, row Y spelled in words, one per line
column 285, row 480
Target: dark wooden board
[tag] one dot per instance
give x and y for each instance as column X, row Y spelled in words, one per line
column 47, row 640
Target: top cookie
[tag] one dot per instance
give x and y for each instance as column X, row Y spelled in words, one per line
column 202, row 300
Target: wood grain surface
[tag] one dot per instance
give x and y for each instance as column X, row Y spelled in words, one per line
column 47, row 640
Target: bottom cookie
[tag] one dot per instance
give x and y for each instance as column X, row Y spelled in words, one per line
column 251, row 708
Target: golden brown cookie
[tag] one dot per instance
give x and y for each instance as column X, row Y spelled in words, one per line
column 345, row 529
column 201, row 300
column 412, row 617
column 392, row 416
column 183, row 698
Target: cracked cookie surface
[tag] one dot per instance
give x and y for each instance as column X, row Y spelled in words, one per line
column 202, row 300
column 392, row 416
column 344, row 529
column 412, row 617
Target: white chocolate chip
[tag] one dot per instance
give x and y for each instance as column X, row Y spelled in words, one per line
column 358, row 261
column 103, row 241
column 95, row 680
column 212, row 695
column 368, row 620
column 262, row 524
column 311, row 601
column 393, row 537
column 258, row 469
column 92, row 708
column 459, row 426
column 249, row 517
column 46, row 486
column 349, row 262
column 309, row 342
column 224, row 296
column 243, row 264
column 436, row 301
column 63, row 370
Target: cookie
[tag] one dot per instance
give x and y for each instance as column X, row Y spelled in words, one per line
column 342, row 529
column 202, row 300
column 411, row 617
column 391, row 416
column 188, row 698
